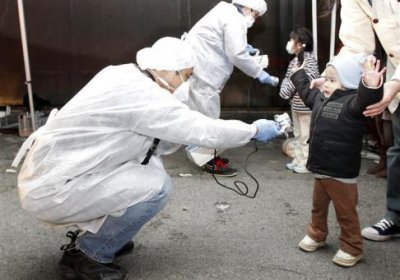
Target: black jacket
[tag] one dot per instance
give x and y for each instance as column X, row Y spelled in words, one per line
column 337, row 127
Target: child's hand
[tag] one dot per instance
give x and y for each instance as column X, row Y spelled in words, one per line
column 317, row 83
column 368, row 63
column 372, row 77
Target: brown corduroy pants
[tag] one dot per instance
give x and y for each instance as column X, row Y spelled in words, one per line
column 345, row 198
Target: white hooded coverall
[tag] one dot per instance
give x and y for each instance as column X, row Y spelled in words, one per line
column 219, row 40
column 85, row 163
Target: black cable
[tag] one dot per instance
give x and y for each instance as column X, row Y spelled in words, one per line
column 237, row 189
column 238, row 183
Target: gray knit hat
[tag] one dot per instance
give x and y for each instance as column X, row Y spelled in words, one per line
column 349, row 69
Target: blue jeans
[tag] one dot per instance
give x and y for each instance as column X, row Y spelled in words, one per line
column 117, row 231
column 393, row 173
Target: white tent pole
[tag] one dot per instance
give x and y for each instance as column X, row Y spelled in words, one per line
column 333, row 32
column 26, row 61
column 315, row 27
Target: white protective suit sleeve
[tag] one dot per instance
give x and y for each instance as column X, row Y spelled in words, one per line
column 164, row 117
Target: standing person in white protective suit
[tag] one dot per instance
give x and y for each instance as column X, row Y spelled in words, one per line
column 95, row 164
column 219, row 41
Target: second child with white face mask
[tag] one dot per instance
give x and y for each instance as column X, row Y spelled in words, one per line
column 300, row 47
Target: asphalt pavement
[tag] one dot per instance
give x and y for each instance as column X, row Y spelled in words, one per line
column 207, row 231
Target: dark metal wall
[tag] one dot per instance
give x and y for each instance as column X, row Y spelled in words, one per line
column 70, row 40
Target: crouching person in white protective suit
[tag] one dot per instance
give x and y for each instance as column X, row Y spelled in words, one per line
column 219, row 40
column 96, row 165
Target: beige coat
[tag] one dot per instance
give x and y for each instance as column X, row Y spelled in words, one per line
column 360, row 20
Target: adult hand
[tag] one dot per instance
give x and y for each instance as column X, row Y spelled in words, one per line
column 266, row 78
column 391, row 88
column 252, row 51
column 317, row 83
column 266, row 130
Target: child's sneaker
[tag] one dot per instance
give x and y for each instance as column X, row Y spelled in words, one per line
column 344, row 259
column 290, row 165
column 381, row 231
column 310, row 245
column 300, row 169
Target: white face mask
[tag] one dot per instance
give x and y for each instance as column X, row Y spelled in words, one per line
column 166, row 84
column 163, row 82
column 180, row 75
column 249, row 20
column 290, row 47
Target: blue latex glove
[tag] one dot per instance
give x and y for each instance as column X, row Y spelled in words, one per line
column 266, row 130
column 250, row 50
column 266, row 78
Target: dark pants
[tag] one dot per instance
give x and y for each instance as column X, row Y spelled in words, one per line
column 393, row 174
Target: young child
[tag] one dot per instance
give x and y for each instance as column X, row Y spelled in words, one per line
column 337, row 127
column 301, row 46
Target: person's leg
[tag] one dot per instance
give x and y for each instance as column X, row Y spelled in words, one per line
column 389, row 226
column 393, row 172
column 345, row 198
column 318, row 228
column 92, row 255
column 378, row 127
column 388, row 134
column 117, row 231
column 304, row 119
column 201, row 96
column 295, row 141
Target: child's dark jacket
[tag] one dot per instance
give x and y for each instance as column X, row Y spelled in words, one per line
column 337, row 127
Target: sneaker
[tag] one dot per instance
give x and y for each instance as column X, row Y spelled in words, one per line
column 300, row 169
column 310, row 245
column 74, row 264
column 344, row 259
column 224, row 160
column 290, row 166
column 381, row 231
column 219, row 168
column 369, row 155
